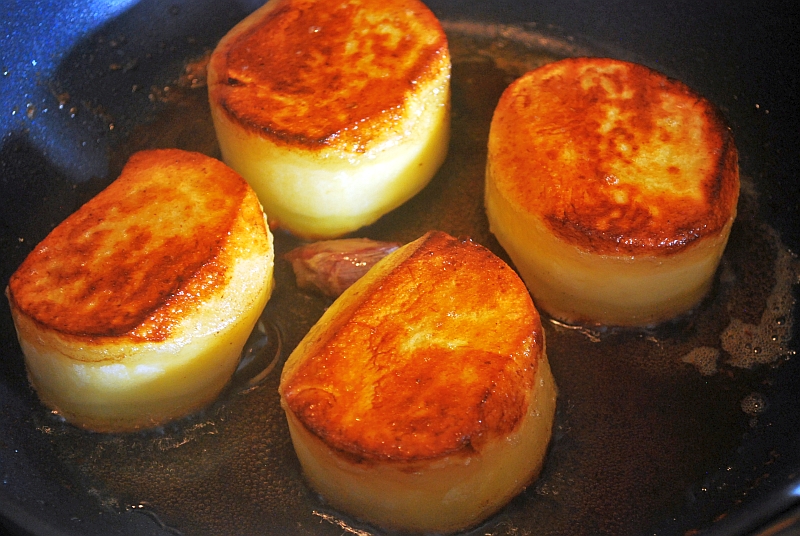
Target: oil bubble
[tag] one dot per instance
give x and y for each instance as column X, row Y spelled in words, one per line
column 754, row 404
column 704, row 359
column 750, row 344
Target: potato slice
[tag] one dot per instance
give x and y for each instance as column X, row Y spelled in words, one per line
column 335, row 112
column 422, row 399
column 612, row 188
column 135, row 309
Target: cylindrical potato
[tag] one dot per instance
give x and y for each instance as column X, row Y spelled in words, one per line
column 134, row 310
column 422, row 399
column 612, row 188
column 335, row 112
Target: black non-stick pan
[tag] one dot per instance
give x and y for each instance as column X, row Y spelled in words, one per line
column 691, row 427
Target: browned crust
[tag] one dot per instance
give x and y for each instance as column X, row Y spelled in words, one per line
column 140, row 256
column 377, row 389
column 314, row 73
column 600, row 199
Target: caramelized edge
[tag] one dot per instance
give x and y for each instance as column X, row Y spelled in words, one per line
column 155, row 322
column 493, row 420
column 688, row 223
column 359, row 131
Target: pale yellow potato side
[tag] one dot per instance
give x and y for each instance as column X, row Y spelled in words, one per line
column 576, row 286
column 442, row 496
column 327, row 195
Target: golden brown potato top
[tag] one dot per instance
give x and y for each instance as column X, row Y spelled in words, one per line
column 138, row 257
column 316, row 72
column 438, row 357
column 614, row 157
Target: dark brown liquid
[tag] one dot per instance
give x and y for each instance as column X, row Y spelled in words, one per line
column 638, row 427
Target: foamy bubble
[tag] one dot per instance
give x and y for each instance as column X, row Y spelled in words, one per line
column 753, row 344
column 747, row 345
column 754, row 404
column 704, row 358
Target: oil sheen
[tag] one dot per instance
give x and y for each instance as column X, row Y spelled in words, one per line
column 642, row 414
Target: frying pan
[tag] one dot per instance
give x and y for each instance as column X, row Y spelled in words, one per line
column 644, row 443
